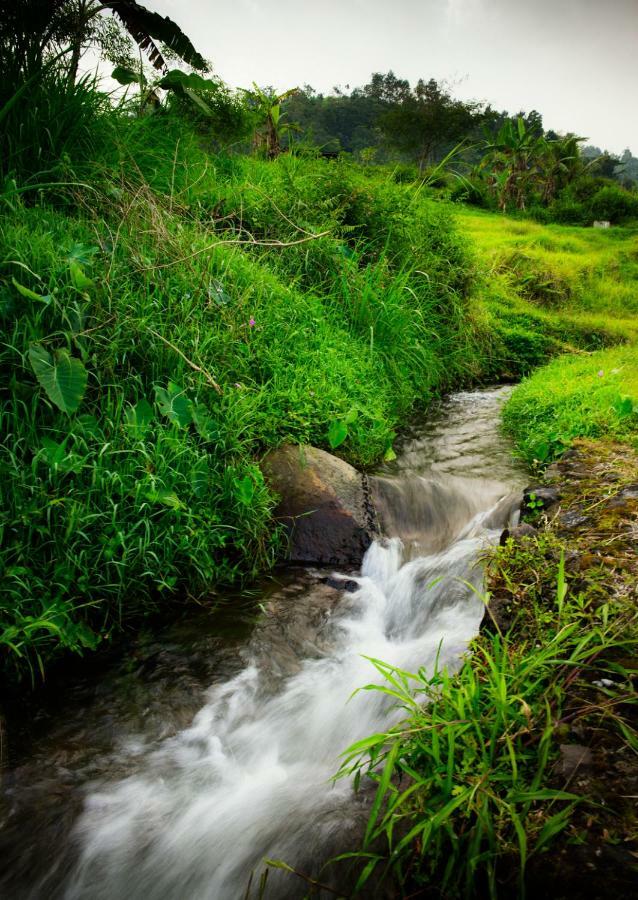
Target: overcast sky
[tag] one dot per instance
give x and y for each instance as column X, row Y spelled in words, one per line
column 576, row 61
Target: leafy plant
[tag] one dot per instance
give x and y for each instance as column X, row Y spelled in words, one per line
column 62, row 377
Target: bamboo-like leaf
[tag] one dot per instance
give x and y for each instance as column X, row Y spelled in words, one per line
column 382, row 790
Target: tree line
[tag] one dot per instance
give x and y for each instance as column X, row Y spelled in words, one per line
column 480, row 154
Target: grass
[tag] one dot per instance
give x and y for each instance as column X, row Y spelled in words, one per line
column 553, row 289
column 593, row 395
column 209, row 308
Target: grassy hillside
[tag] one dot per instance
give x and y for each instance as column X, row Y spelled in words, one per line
column 554, row 288
column 167, row 315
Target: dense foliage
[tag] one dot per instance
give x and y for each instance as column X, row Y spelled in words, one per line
column 167, row 315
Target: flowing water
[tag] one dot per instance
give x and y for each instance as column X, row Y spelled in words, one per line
column 231, row 761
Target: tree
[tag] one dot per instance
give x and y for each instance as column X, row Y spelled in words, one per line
column 33, row 30
column 513, row 158
column 424, row 122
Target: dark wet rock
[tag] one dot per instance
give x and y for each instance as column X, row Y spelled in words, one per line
column 629, row 492
column 324, row 505
column 574, row 758
column 573, row 518
column 539, row 497
column 296, row 625
column 341, row 584
column 518, row 533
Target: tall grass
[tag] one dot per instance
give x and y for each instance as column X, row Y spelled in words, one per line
column 217, row 306
column 53, row 128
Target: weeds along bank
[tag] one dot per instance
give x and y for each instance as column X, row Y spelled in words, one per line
column 168, row 314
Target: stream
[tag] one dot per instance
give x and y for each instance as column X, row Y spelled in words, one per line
column 211, row 746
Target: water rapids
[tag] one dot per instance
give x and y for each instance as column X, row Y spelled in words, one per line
column 249, row 777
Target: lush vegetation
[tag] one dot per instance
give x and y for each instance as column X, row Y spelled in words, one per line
column 167, row 315
column 553, row 289
column 185, row 282
column 576, row 396
column 500, row 161
column 462, row 803
column 475, row 783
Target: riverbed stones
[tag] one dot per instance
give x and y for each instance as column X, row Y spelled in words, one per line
column 324, row 505
column 518, row 533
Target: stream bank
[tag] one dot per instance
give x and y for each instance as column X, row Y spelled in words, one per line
column 585, row 512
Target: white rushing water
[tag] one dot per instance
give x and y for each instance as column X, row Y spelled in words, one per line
column 251, row 777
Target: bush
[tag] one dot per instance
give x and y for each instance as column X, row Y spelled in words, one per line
column 568, row 212
column 614, row 204
column 473, row 192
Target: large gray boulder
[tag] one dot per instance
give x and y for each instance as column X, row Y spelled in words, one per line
column 324, row 505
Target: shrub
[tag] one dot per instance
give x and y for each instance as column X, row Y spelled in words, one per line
column 614, row 204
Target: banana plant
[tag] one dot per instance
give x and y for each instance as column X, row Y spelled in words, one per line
column 267, row 106
column 188, row 86
column 33, row 29
column 562, row 164
column 514, row 157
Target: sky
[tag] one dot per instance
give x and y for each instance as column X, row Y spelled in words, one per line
column 575, row 61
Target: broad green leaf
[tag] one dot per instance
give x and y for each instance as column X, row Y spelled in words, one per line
column 62, row 377
column 81, row 282
column 351, row 416
column 166, row 498
column 197, row 100
column 337, row 433
column 139, row 417
column 174, row 404
column 389, row 455
column 82, row 254
column 177, row 78
column 53, row 452
column 29, row 294
column 203, row 421
column 124, row 75
column 244, row 489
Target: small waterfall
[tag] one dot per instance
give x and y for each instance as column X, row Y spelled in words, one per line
column 250, row 777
